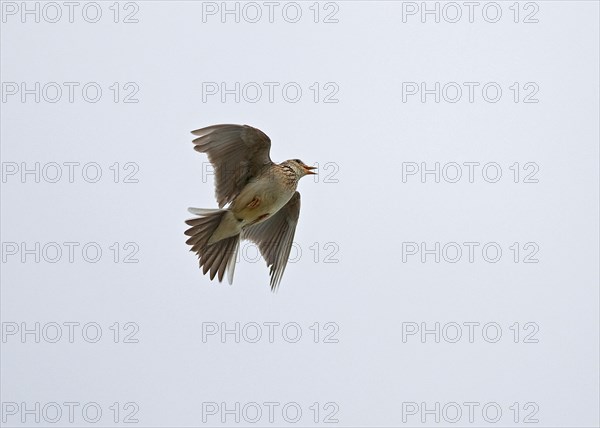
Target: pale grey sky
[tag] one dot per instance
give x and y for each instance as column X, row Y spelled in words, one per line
column 356, row 93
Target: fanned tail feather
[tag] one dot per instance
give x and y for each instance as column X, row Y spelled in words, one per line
column 218, row 257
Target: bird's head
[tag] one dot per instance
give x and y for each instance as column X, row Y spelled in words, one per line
column 300, row 168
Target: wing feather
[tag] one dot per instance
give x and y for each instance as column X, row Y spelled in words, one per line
column 238, row 153
column 275, row 236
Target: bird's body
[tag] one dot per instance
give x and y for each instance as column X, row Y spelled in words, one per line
column 257, row 201
column 262, row 197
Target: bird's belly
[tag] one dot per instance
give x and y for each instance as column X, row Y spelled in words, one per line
column 260, row 200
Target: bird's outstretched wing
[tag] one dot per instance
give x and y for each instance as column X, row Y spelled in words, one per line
column 238, row 153
column 274, row 237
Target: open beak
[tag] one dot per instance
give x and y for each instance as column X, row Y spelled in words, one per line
column 309, row 170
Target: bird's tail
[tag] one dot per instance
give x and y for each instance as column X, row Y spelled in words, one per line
column 215, row 237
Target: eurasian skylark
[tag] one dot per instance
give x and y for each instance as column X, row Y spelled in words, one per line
column 260, row 199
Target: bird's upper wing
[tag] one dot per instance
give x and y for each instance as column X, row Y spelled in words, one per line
column 274, row 237
column 238, row 153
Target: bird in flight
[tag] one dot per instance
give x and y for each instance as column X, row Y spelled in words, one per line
column 257, row 201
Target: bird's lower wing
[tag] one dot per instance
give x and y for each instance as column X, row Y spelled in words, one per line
column 274, row 237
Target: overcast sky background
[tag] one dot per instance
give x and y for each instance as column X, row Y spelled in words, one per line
column 358, row 212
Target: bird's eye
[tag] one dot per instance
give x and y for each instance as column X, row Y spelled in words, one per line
column 297, row 160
